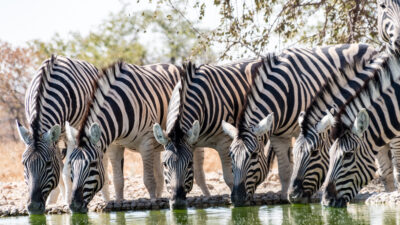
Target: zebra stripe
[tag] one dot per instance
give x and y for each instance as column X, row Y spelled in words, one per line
column 373, row 111
column 57, row 94
column 207, row 95
column 389, row 24
column 285, row 86
column 311, row 156
column 128, row 100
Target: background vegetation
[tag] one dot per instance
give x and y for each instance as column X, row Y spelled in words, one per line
column 178, row 30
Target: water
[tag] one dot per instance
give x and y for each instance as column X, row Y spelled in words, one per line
column 278, row 214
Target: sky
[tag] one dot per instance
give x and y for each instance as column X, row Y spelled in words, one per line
column 24, row 20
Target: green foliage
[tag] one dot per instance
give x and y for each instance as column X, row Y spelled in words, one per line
column 253, row 26
column 120, row 37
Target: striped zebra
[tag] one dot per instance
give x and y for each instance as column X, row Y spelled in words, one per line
column 361, row 129
column 127, row 101
column 207, row 95
column 56, row 94
column 310, row 152
column 389, row 24
column 285, row 86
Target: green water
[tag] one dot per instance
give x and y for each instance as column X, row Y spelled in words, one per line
column 278, row 214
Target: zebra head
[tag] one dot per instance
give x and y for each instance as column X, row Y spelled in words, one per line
column 177, row 162
column 87, row 171
column 250, row 165
column 351, row 164
column 389, row 23
column 311, row 159
column 41, row 165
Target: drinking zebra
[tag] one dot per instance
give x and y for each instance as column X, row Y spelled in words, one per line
column 285, row 86
column 127, row 101
column 311, row 156
column 207, row 95
column 57, row 93
column 363, row 127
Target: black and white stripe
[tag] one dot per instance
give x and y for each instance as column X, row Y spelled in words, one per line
column 311, row 156
column 57, row 93
column 389, row 24
column 363, row 127
column 207, row 95
column 128, row 100
column 285, row 86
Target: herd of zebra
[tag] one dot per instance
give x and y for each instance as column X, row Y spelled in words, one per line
column 341, row 103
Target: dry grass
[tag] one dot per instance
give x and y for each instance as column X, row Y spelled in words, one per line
column 11, row 168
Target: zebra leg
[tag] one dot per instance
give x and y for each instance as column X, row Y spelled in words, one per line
column 385, row 168
column 226, row 165
column 158, row 173
column 116, row 156
column 282, row 146
column 147, row 153
column 198, row 160
column 395, row 150
column 104, row 191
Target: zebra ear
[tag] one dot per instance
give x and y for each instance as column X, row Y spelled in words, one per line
column 53, row 134
column 159, row 134
column 193, row 133
column 326, row 122
column 71, row 133
column 264, row 125
column 95, row 133
column 23, row 133
column 361, row 123
column 229, row 129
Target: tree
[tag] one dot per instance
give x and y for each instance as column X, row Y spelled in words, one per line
column 250, row 25
column 120, row 37
column 16, row 70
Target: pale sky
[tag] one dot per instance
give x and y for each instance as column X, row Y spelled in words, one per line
column 24, row 20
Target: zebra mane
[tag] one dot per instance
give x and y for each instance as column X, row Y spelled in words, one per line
column 331, row 88
column 100, row 85
column 373, row 88
column 46, row 69
column 255, row 77
column 176, row 132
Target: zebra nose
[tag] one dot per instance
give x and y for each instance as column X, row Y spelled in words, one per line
column 295, row 190
column 35, row 207
column 329, row 195
column 178, row 200
column 239, row 195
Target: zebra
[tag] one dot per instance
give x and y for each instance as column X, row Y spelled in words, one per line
column 310, row 152
column 56, row 94
column 389, row 24
column 285, row 86
column 127, row 101
column 362, row 128
column 206, row 95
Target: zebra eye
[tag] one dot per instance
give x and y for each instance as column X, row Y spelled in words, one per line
column 254, row 155
column 190, row 164
column 93, row 164
column 314, row 152
column 164, row 164
column 48, row 163
column 348, row 155
column 382, row 5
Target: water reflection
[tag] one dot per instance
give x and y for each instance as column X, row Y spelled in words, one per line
column 37, row 219
column 280, row 214
column 245, row 215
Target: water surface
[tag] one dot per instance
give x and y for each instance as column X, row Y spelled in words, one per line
column 277, row 214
